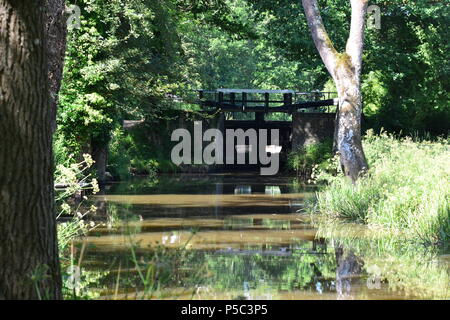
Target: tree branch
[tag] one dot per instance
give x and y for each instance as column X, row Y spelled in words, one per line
column 355, row 40
column 320, row 36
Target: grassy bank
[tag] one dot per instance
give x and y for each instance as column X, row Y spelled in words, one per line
column 406, row 191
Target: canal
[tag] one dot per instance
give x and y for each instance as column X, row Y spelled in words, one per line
column 239, row 236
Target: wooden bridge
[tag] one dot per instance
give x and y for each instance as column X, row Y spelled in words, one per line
column 312, row 114
column 265, row 101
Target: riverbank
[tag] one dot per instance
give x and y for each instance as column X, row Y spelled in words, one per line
column 406, row 191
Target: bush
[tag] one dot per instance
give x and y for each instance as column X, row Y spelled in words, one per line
column 407, row 189
column 118, row 157
column 131, row 152
column 304, row 159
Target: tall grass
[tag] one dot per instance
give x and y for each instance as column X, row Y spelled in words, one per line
column 407, row 189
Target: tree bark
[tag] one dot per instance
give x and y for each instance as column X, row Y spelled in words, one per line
column 99, row 151
column 29, row 264
column 345, row 69
column 56, row 31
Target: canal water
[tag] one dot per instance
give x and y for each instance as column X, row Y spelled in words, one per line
column 228, row 237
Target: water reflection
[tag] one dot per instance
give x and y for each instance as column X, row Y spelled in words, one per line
column 272, row 190
column 243, row 190
column 348, row 271
column 243, row 237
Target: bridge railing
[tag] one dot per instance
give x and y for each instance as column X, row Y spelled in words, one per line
column 253, row 100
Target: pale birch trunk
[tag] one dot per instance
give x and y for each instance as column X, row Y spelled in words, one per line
column 345, row 69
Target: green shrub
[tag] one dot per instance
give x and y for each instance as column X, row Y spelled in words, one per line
column 305, row 158
column 132, row 153
column 61, row 153
column 119, row 157
column 407, row 188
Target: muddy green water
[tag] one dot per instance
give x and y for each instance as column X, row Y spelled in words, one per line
column 242, row 238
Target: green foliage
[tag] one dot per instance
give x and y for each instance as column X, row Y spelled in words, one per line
column 73, row 179
column 123, row 62
column 224, row 60
column 119, row 158
column 407, row 61
column 140, row 59
column 405, row 81
column 305, row 158
column 71, row 224
column 140, row 151
column 407, row 189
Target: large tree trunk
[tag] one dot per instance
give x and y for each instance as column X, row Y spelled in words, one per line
column 345, row 69
column 29, row 264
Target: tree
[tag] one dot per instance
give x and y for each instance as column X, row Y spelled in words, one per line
column 120, row 63
column 56, row 32
column 126, row 61
column 345, row 69
column 29, row 265
column 406, row 64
